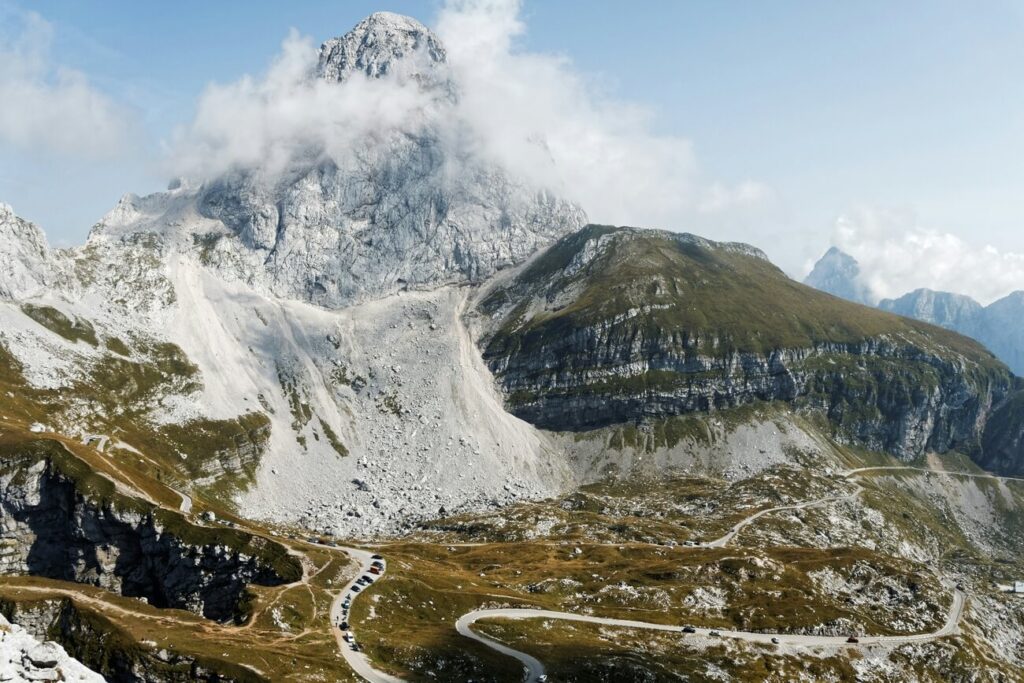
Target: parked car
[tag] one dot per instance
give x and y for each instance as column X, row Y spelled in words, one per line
column 775, row 641
column 715, row 634
column 689, row 629
column 356, row 589
column 853, row 639
column 376, row 557
column 374, row 570
column 344, row 626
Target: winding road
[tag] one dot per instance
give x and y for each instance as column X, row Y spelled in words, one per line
column 731, row 534
column 535, row 668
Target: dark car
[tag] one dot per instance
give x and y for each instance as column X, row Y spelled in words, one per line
column 775, row 641
column 344, row 626
column 356, row 589
column 376, row 557
column 689, row 629
column 853, row 639
column 714, row 633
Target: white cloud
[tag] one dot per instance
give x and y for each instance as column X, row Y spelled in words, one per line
column 598, row 151
column 897, row 255
column 265, row 123
column 45, row 106
column 534, row 114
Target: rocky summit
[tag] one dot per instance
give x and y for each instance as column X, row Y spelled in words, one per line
column 398, row 413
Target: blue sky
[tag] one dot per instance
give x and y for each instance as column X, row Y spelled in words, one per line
column 902, row 115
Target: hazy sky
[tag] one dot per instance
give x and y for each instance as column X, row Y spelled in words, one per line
column 895, row 130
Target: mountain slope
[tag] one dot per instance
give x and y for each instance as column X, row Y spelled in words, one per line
column 952, row 311
column 998, row 326
column 615, row 325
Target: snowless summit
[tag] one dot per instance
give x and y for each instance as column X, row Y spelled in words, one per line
column 413, row 204
column 382, row 44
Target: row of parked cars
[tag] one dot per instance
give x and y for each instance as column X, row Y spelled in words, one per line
column 376, row 568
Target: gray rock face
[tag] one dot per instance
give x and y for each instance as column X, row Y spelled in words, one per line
column 1003, row 330
column 26, row 264
column 392, row 218
column 50, row 529
column 838, row 273
column 386, row 44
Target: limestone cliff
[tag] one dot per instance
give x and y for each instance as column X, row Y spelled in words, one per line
column 621, row 325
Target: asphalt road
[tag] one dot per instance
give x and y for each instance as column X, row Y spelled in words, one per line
column 535, row 669
column 357, row 660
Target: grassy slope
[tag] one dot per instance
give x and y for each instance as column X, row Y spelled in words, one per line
column 118, row 394
column 702, row 291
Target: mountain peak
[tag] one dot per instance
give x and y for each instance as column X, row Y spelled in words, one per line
column 385, row 44
column 838, row 273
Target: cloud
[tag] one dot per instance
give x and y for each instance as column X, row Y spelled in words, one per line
column 533, row 114
column 897, row 255
column 266, row 123
column 49, row 107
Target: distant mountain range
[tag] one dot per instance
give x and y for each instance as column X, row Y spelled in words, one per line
column 999, row 326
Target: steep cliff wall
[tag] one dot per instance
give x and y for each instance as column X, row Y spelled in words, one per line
column 59, row 526
column 618, row 325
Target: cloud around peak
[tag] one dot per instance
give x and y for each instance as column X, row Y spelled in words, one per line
column 533, row 114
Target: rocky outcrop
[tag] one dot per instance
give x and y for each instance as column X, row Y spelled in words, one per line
column 56, row 527
column 26, row 263
column 107, row 649
column 387, row 45
column 617, row 326
column 392, row 217
column 23, row 658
